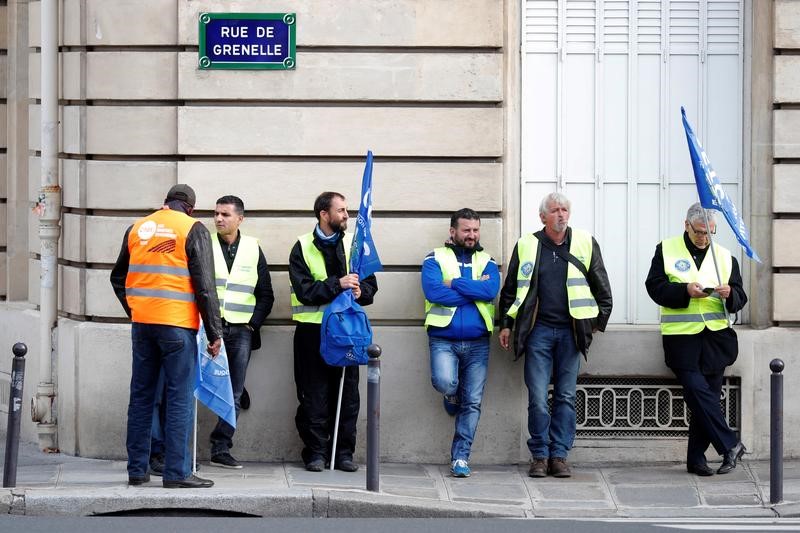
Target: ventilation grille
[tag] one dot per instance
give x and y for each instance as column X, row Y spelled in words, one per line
column 642, row 408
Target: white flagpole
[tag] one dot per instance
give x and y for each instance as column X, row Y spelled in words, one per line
column 716, row 265
column 194, row 447
column 338, row 412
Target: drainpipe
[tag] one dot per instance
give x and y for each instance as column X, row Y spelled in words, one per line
column 49, row 209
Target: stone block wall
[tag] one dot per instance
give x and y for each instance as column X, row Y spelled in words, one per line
column 786, row 168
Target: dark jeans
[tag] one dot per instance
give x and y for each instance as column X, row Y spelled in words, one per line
column 708, row 426
column 159, row 417
column 175, row 350
column 317, row 393
column 237, row 340
column 551, row 352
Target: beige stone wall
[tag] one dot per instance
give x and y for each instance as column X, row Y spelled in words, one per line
column 419, row 83
column 786, row 170
column 5, row 227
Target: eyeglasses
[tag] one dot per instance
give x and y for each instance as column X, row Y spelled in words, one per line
column 704, row 233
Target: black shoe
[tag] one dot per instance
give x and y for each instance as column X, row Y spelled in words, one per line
column 700, row 469
column 731, row 457
column 317, row 465
column 346, row 465
column 244, row 400
column 157, row 464
column 135, row 481
column 191, row 482
column 225, row 460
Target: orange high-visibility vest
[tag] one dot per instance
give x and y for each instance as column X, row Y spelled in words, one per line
column 158, row 287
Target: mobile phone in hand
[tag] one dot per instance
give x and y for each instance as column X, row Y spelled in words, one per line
column 708, row 290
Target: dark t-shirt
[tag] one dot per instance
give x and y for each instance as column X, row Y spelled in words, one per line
column 552, row 291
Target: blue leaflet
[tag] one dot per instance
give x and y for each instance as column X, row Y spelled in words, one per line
column 212, row 384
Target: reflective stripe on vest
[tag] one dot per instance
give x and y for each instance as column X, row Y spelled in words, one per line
column 236, row 289
column 579, row 295
column 441, row 316
column 158, row 286
column 679, row 266
column 316, row 264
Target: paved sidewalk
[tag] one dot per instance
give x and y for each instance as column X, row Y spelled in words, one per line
column 60, row 485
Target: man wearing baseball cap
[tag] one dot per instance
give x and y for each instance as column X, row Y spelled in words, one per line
column 164, row 279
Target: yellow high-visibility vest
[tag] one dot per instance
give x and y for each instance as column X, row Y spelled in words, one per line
column 701, row 313
column 439, row 315
column 316, row 264
column 579, row 295
column 236, row 289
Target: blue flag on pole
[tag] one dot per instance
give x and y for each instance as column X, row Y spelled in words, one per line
column 212, row 384
column 364, row 258
column 345, row 329
column 709, row 188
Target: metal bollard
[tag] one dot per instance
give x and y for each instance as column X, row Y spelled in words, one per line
column 14, row 415
column 373, row 417
column 776, row 432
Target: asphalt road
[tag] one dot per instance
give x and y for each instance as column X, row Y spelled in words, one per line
column 205, row 524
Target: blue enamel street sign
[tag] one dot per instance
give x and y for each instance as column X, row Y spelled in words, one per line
column 247, row 41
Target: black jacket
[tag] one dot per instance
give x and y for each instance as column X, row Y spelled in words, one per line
column 201, row 270
column 708, row 351
column 526, row 316
column 313, row 292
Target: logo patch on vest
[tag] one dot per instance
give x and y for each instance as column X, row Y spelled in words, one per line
column 526, row 269
column 682, row 265
column 146, row 230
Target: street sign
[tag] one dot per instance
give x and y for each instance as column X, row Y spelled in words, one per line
column 247, row 41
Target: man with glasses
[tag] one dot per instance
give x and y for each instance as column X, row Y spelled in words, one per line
column 696, row 333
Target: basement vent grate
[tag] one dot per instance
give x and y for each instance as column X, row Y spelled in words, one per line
column 642, row 408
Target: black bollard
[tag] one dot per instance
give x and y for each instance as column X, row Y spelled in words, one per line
column 373, row 417
column 14, row 415
column 776, row 432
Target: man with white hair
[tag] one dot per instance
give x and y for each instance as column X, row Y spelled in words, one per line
column 694, row 295
column 556, row 294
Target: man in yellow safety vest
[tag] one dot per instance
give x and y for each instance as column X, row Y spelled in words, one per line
column 695, row 296
column 244, row 289
column 318, row 272
column 556, row 295
column 460, row 282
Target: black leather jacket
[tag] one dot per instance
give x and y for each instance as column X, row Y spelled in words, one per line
column 526, row 316
column 201, row 270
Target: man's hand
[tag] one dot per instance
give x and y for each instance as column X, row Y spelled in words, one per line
column 695, row 290
column 349, row 281
column 723, row 290
column 213, row 348
column 504, row 335
column 448, row 283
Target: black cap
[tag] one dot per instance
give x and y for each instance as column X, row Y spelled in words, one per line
column 182, row 192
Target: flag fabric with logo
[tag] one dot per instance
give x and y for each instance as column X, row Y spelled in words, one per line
column 709, row 188
column 212, row 384
column 345, row 329
column 364, row 258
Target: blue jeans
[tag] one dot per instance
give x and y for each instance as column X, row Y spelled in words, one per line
column 159, row 416
column 174, row 349
column 460, row 367
column 551, row 352
column 238, row 339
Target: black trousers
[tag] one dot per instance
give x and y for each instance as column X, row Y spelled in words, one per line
column 317, row 394
column 702, row 392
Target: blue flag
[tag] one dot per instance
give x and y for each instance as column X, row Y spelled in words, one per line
column 364, row 258
column 212, row 384
column 709, row 188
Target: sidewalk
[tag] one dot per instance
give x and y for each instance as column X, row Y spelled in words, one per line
column 60, row 485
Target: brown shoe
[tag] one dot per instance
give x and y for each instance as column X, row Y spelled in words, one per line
column 538, row 468
column 559, row 467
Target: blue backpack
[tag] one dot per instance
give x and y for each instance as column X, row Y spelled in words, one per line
column 345, row 332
